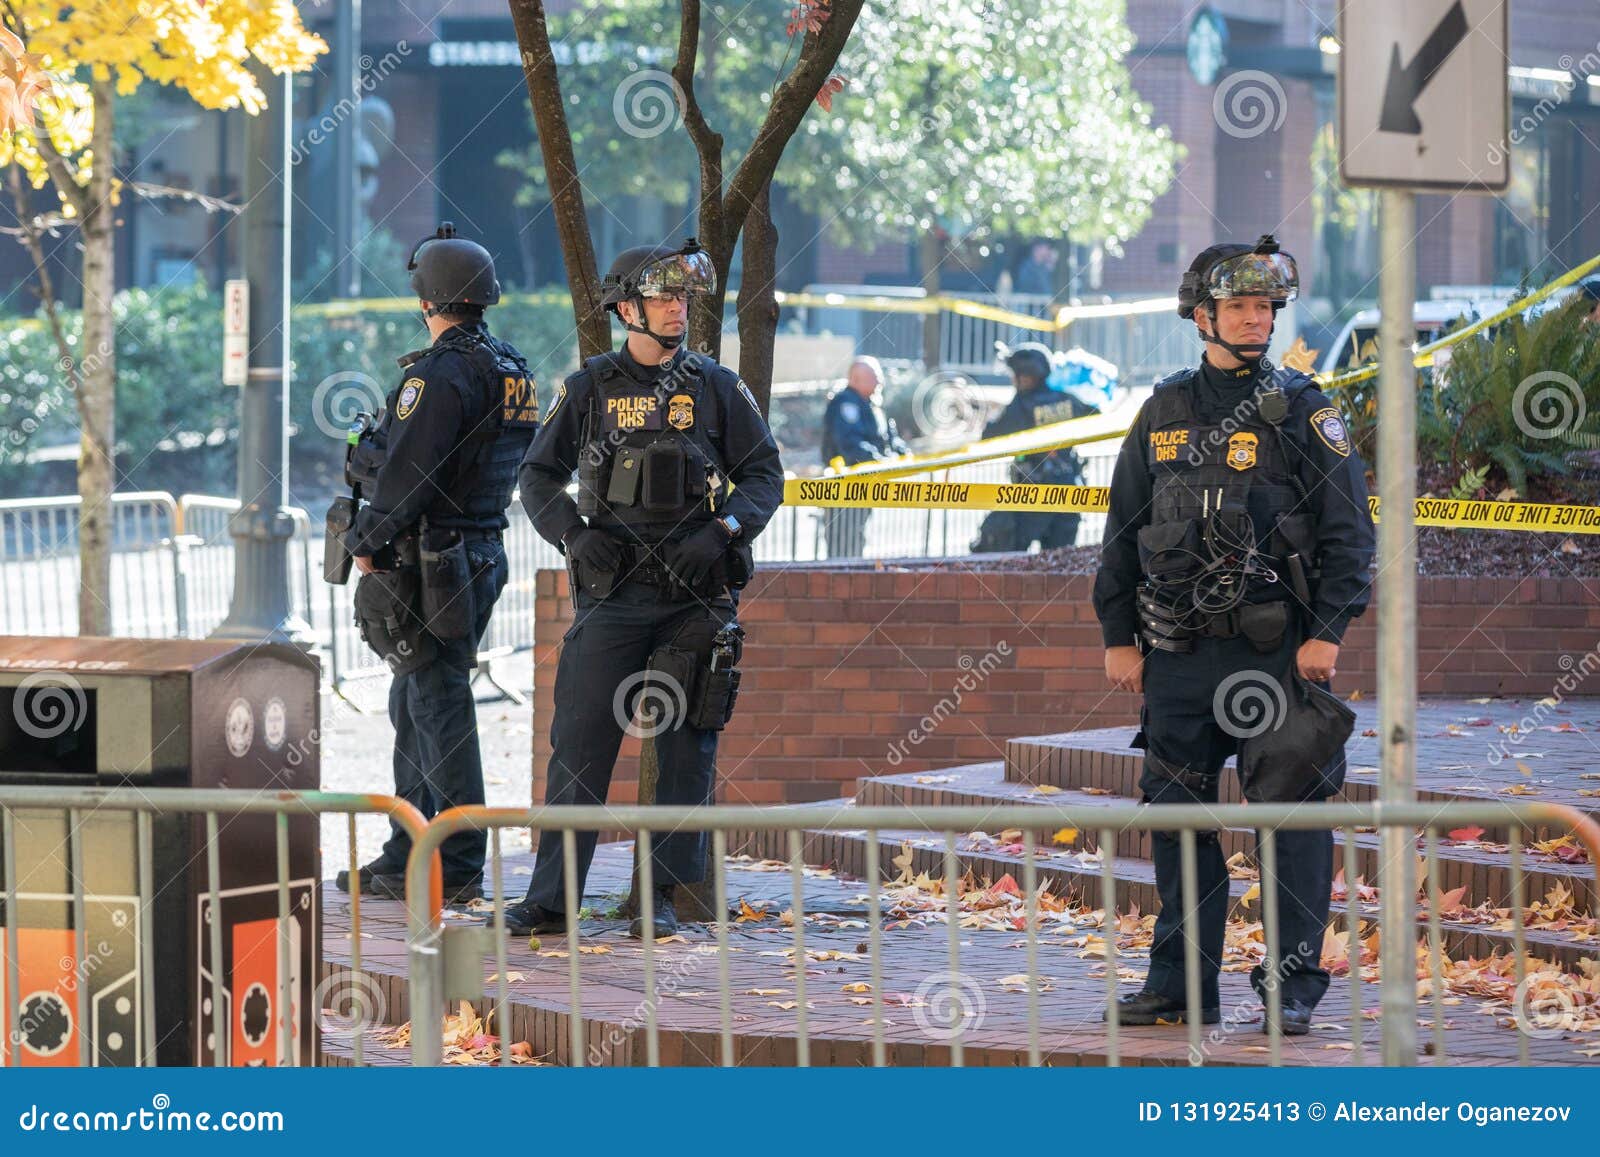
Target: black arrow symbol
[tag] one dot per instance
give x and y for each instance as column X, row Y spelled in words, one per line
column 1406, row 82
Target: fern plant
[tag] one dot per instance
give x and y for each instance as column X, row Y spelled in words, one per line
column 1526, row 399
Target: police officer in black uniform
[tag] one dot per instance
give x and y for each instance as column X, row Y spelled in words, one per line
column 1036, row 403
column 439, row 470
column 656, row 544
column 854, row 430
column 1236, row 551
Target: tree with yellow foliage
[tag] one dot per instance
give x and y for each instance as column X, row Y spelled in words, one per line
column 62, row 68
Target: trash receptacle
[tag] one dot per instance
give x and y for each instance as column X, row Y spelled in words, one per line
column 116, row 977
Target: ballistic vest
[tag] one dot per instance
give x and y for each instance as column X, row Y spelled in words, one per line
column 500, row 430
column 1199, row 471
column 651, row 460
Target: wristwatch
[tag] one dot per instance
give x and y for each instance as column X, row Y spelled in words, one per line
column 730, row 526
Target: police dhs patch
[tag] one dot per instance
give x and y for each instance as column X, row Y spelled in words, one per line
column 680, row 411
column 410, row 396
column 1242, row 451
column 1330, row 428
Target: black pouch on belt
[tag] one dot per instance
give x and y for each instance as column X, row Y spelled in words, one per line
column 386, row 611
column 718, row 690
column 1264, row 624
column 446, row 585
column 664, row 703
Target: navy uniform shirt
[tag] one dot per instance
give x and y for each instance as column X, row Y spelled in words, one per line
column 749, row 454
column 439, row 404
column 857, row 430
column 1317, row 447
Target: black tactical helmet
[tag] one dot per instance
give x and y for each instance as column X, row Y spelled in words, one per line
column 451, row 271
column 1032, row 358
column 1234, row 270
column 647, row 270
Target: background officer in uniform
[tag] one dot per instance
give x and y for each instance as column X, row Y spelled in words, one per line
column 439, row 470
column 1235, row 487
column 855, row 429
column 655, row 541
column 1036, row 403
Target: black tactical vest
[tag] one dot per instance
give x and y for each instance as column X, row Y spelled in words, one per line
column 499, row 431
column 1237, row 465
column 1045, row 406
column 651, row 459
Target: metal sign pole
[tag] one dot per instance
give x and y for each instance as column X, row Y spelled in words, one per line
column 1397, row 617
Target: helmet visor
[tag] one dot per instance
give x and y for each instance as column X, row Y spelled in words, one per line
column 1269, row 275
column 682, row 273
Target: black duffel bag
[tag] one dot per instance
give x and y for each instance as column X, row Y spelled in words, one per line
column 1302, row 758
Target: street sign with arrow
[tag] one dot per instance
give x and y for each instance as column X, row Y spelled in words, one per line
column 1423, row 100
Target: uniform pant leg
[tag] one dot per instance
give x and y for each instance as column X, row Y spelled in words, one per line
column 1305, row 881
column 408, row 782
column 687, row 755
column 440, row 703
column 609, row 642
column 1184, row 753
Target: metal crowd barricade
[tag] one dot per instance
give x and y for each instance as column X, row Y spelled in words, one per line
column 39, row 561
column 205, row 568
column 1397, row 995
column 81, row 803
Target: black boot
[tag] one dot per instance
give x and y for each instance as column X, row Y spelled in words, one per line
column 455, row 891
column 1295, row 1021
column 1154, row 1008
column 366, row 874
column 666, row 916
column 527, row 919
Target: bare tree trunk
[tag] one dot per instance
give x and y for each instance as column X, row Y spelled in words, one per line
column 758, row 303
column 98, row 369
column 932, row 259
column 561, row 172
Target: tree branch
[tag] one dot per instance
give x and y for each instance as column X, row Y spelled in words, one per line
column 788, row 108
column 31, row 231
column 61, row 172
column 561, row 174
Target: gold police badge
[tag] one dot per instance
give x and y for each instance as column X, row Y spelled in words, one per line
column 680, row 411
column 1242, row 451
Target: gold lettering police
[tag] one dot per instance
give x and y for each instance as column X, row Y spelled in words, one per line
column 1166, row 443
column 631, row 412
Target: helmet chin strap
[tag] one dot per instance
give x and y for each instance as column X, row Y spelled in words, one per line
column 1252, row 352
column 665, row 341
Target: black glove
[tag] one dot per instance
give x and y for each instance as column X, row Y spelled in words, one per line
column 594, row 549
column 690, row 559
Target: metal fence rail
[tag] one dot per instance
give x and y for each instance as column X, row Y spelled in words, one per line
column 1398, row 994
column 80, row 804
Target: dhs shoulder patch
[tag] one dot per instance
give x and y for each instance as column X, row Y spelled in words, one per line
column 850, row 412
column 749, row 397
column 1330, row 428
column 410, row 398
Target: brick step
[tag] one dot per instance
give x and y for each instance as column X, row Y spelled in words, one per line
column 1135, row 883
column 1102, row 760
column 1486, row 875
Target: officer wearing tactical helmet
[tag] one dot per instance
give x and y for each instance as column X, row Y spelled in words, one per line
column 1236, row 551
column 677, row 474
column 438, row 471
column 1036, row 403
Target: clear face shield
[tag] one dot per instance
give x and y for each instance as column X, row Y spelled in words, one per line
column 681, row 275
column 1269, row 275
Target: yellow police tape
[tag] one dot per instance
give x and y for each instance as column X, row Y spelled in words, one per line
column 1077, row 431
column 898, row 493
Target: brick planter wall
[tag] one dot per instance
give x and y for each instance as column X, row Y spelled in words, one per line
column 844, row 668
